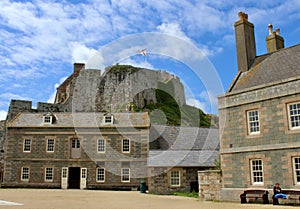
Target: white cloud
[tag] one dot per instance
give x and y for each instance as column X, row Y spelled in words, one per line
column 46, row 33
column 81, row 53
column 196, row 103
column 3, row 114
column 173, row 29
column 8, row 95
column 206, row 101
column 144, row 64
column 56, row 85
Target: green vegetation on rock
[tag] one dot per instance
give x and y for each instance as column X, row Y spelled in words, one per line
column 174, row 114
column 123, row 68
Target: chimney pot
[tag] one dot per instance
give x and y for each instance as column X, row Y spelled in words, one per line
column 243, row 16
column 274, row 40
column 270, row 26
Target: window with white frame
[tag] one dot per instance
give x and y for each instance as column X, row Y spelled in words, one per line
column 100, row 175
column 175, row 178
column 27, row 145
column 47, row 119
column 24, row 174
column 125, row 175
column 101, row 145
column 50, row 145
column 257, row 176
column 48, row 174
column 108, row 119
column 296, row 164
column 75, row 143
column 294, row 115
column 253, row 122
column 126, row 145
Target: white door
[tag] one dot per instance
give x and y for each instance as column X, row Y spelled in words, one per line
column 83, row 175
column 64, row 178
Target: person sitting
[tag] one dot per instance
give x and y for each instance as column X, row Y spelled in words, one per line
column 278, row 194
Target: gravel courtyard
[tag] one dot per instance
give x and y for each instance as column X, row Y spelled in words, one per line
column 89, row 199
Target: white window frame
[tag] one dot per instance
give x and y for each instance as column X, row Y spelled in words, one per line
column 173, row 178
column 26, row 145
column 49, row 174
column 75, row 143
column 296, row 169
column 296, row 114
column 253, row 171
column 47, row 146
column 250, row 121
column 45, row 119
column 123, row 174
column 129, row 144
column 22, row 174
column 104, row 146
column 108, row 119
column 97, row 174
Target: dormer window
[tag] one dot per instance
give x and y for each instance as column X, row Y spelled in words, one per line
column 47, row 119
column 108, row 119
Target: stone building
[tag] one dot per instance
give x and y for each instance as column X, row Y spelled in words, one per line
column 260, row 116
column 2, row 137
column 177, row 154
column 76, row 150
column 90, row 137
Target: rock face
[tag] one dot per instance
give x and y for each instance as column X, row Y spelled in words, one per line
column 116, row 89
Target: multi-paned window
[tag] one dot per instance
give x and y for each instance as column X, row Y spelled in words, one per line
column 47, row 119
column 50, row 145
column 253, row 122
column 296, row 164
column 27, row 145
column 125, row 175
column 175, row 178
column 257, row 176
column 101, row 145
column 108, row 119
column 126, row 145
column 48, row 174
column 100, row 175
column 75, row 143
column 294, row 115
column 24, row 174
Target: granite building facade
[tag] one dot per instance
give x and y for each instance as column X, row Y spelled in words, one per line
column 79, row 150
column 260, row 116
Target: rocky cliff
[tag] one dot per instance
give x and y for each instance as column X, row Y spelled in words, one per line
column 121, row 88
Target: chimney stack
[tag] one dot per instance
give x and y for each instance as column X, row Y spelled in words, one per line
column 274, row 40
column 245, row 42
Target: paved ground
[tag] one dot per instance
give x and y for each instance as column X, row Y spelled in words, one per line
column 89, row 199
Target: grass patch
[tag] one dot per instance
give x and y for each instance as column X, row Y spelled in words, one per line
column 187, row 194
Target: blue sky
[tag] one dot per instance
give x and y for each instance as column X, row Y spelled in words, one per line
column 41, row 39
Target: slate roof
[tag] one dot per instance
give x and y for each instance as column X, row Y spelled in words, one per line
column 184, row 146
column 81, row 120
column 273, row 67
column 184, row 158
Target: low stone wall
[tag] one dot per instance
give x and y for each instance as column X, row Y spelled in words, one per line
column 209, row 185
